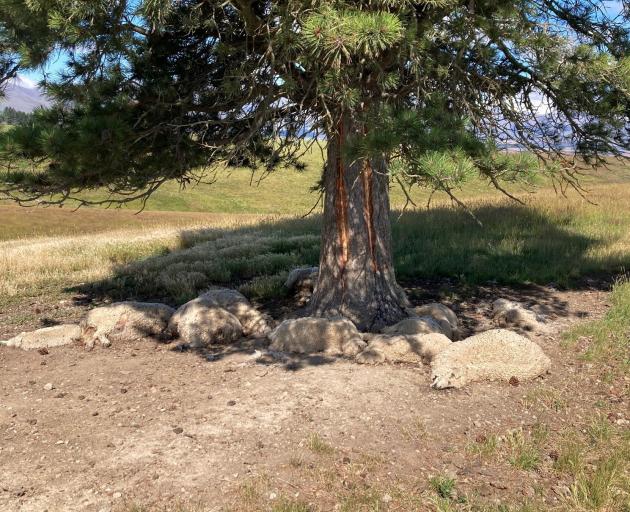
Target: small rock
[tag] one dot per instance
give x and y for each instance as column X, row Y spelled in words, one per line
column 123, row 390
column 81, row 397
column 561, row 490
column 95, row 413
column 514, row 381
column 60, row 395
column 43, row 351
column 117, row 495
column 32, row 422
column 178, row 430
column 231, row 403
column 49, row 387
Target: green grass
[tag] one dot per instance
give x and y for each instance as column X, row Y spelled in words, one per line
column 443, row 485
column 319, row 446
column 485, row 446
column 600, row 487
column 288, row 191
column 570, row 456
column 608, row 340
column 523, row 453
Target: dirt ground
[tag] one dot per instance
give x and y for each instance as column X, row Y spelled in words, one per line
column 146, row 423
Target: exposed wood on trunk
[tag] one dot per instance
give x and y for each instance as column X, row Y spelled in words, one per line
column 341, row 202
column 356, row 278
column 368, row 211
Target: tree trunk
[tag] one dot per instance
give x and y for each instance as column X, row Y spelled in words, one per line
column 356, row 272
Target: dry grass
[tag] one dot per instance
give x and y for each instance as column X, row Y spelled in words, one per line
column 49, row 265
column 172, row 258
column 319, row 446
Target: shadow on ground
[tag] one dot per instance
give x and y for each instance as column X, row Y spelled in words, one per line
column 440, row 254
column 254, row 350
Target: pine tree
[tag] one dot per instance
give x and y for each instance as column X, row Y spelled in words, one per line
column 419, row 92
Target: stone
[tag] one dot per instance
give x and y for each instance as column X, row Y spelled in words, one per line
column 443, row 315
column 507, row 313
column 302, row 277
column 49, row 386
column 301, row 282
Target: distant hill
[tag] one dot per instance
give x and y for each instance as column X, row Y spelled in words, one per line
column 23, row 94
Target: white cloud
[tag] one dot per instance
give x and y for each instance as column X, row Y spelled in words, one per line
column 22, row 81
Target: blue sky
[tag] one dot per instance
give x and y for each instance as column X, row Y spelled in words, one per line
column 52, row 68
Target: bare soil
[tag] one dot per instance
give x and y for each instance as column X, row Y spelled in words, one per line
column 146, row 423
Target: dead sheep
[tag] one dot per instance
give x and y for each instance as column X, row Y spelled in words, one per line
column 124, row 321
column 335, row 336
column 507, row 313
column 47, row 337
column 253, row 322
column 443, row 315
column 200, row 322
column 403, row 349
column 497, row 354
column 414, row 325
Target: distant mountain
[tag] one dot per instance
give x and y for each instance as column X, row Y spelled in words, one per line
column 23, row 94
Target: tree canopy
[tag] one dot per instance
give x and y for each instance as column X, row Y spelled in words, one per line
column 14, row 117
column 155, row 90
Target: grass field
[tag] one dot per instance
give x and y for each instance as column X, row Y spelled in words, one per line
column 249, row 238
column 171, row 255
column 289, row 192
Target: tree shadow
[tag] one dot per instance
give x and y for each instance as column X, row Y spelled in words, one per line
column 255, row 351
column 519, row 253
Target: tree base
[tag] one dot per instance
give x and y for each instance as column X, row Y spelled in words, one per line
column 356, row 272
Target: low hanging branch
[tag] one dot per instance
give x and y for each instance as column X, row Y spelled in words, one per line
column 156, row 89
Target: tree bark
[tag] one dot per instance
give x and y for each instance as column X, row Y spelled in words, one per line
column 356, row 272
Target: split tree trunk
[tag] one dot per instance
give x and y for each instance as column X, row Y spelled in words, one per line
column 356, row 272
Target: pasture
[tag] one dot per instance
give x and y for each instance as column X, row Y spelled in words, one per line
column 148, row 427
